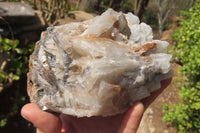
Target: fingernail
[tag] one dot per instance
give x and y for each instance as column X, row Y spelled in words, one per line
column 138, row 105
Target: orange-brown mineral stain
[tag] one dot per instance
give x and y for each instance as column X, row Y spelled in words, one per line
column 146, row 47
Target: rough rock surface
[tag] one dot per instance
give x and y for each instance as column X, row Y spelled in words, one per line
column 17, row 13
column 98, row 67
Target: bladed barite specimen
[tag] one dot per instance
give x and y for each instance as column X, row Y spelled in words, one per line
column 98, row 67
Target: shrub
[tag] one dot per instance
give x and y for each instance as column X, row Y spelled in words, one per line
column 13, row 66
column 13, row 61
column 185, row 116
column 8, row 49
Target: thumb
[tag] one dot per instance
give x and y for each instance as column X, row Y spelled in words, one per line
column 132, row 119
column 46, row 122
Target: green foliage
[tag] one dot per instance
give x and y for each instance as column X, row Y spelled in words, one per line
column 105, row 2
column 68, row 8
column 184, row 116
column 3, row 122
column 13, row 65
column 126, row 6
column 88, row 10
column 150, row 19
column 188, row 41
column 8, row 49
column 13, row 60
column 52, row 10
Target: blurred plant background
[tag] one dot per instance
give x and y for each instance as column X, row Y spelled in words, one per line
column 185, row 116
column 17, row 42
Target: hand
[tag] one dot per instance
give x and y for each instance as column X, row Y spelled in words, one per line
column 122, row 123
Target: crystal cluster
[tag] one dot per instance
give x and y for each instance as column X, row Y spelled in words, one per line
column 98, row 67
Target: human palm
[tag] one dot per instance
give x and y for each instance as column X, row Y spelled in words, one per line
column 122, row 123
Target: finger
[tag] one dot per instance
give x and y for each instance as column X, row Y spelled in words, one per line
column 147, row 101
column 132, row 119
column 46, row 122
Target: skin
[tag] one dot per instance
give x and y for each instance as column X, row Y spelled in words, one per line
column 122, row 123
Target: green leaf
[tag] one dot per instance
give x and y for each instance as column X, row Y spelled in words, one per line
column 2, row 77
column 16, row 77
column 19, row 51
column 3, row 122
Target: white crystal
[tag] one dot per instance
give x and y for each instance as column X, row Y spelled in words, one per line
column 98, row 67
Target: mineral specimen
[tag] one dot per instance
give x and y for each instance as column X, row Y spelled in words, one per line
column 98, row 67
